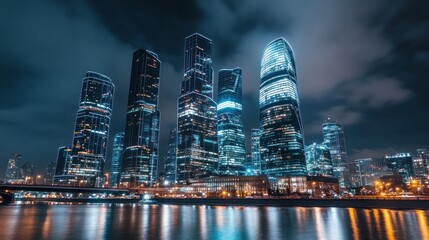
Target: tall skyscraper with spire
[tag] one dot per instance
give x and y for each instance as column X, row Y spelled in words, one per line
column 282, row 144
column 197, row 147
column 231, row 140
column 141, row 140
column 333, row 137
column 88, row 153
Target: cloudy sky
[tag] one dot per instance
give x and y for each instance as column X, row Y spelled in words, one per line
column 363, row 63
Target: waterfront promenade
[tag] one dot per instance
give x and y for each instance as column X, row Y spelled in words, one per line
column 388, row 203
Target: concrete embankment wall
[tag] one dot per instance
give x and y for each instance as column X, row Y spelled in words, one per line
column 342, row 203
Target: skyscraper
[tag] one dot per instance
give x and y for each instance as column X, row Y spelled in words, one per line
column 282, row 144
column 401, row 163
column 170, row 160
column 197, row 147
column 28, row 172
column 141, row 140
column 421, row 163
column 318, row 159
column 231, row 140
column 256, row 151
column 63, row 160
column 13, row 171
column 367, row 171
column 91, row 132
column 333, row 137
column 115, row 167
column 50, row 172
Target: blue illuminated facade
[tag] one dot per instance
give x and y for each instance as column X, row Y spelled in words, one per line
column 63, row 159
column 256, row 151
column 231, row 140
column 401, row 163
column 318, row 159
column 140, row 157
column 197, row 146
column 170, row 160
column 115, row 167
column 90, row 138
column 333, row 137
column 282, row 144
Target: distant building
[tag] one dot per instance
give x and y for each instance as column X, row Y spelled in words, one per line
column 401, row 163
column 141, row 141
column 315, row 185
column 256, row 151
column 231, row 139
column 91, row 132
column 50, row 172
column 333, row 137
column 282, row 140
column 63, row 160
column 322, row 186
column 254, row 186
column 249, row 165
column 318, row 159
column 13, row 171
column 421, row 163
column 170, row 161
column 115, row 166
column 197, row 143
column 419, row 167
column 228, row 187
column 28, row 172
column 367, row 171
column 394, row 181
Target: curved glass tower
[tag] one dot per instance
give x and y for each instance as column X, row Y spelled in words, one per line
column 91, row 132
column 282, row 144
column 232, row 152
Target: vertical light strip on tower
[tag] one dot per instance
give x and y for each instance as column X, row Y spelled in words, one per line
column 115, row 166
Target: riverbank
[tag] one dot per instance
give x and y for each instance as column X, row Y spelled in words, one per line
column 341, row 203
column 80, row 200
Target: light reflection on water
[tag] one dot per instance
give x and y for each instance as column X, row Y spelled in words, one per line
column 135, row 221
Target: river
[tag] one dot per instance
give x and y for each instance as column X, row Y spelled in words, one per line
column 138, row 221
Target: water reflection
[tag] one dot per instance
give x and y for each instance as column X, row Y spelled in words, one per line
column 353, row 220
column 388, row 224
column 207, row 222
column 423, row 224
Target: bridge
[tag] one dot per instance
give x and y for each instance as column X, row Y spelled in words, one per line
column 7, row 191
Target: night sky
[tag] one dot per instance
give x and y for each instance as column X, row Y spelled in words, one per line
column 363, row 63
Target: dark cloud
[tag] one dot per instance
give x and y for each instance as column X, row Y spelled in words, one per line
column 364, row 64
column 156, row 25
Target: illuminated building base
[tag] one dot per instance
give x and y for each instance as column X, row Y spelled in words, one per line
column 250, row 187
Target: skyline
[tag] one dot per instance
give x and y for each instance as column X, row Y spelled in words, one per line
column 60, row 104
